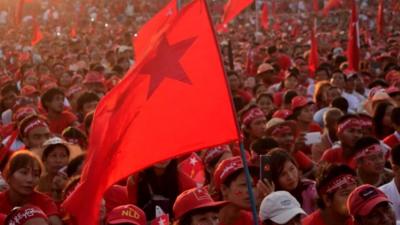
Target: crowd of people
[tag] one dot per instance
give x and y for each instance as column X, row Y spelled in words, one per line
column 322, row 146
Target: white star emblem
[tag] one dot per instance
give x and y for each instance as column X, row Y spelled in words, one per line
column 193, row 161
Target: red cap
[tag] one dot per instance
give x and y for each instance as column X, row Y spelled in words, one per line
column 300, row 101
column 22, row 215
column 282, row 113
column 115, row 196
column 192, row 199
column 126, row 214
column 392, row 90
column 226, row 168
column 214, row 153
column 93, row 77
column 363, row 199
column 29, row 90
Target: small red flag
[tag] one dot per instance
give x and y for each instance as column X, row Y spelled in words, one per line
column 73, row 32
column 313, row 58
column 37, row 35
column 193, row 168
column 331, row 4
column 231, row 9
column 144, row 36
column 380, row 22
column 315, row 5
column 265, row 16
column 174, row 101
column 161, row 217
column 353, row 46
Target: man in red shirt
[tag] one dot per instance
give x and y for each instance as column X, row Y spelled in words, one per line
column 394, row 139
column 349, row 130
column 58, row 118
column 334, row 184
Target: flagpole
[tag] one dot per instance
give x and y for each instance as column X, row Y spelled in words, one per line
column 242, row 150
column 179, row 4
column 257, row 7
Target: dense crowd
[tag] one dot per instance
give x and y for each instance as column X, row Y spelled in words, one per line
column 322, row 146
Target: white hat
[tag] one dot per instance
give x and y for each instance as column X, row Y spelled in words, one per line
column 280, row 207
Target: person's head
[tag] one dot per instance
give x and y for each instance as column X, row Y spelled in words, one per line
column 382, row 117
column 264, row 145
column 75, row 166
column 340, row 103
column 283, row 132
column 65, row 80
column 126, row 214
column 74, row 135
column 87, row 102
column 26, row 215
column 334, row 184
column 369, row 156
column 302, row 109
column 395, row 118
column 53, row 100
column 234, row 82
column 22, row 172
column 266, row 103
column 338, row 80
column 349, row 130
column 370, row 206
column 280, row 207
column 230, row 179
column 395, row 161
column 283, row 167
column 9, row 95
column 350, row 81
column 291, row 80
column 320, row 93
column 195, row 206
column 322, row 74
column 213, row 156
column 287, row 98
column 55, row 155
column 367, row 124
column 34, row 131
column 330, row 118
column 253, row 122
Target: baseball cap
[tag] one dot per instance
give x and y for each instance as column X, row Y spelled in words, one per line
column 196, row 198
column 226, row 168
column 282, row 113
column 214, row 153
column 126, row 214
column 21, row 215
column 53, row 141
column 363, row 199
column 299, row 101
column 280, row 207
column 264, row 68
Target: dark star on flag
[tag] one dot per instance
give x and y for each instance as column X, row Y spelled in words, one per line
column 165, row 63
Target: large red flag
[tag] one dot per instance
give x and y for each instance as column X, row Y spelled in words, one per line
column 231, row 9
column 141, row 40
column 331, row 4
column 174, row 101
column 265, row 16
column 313, row 57
column 353, row 46
column 37, row 35
column 380, row 22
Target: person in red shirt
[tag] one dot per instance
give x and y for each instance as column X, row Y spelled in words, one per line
column 302, row 109
column 349, row 131
column 34, row 131
column 394, row 139
column 22, row 174
column 27, row 215
column 253, row 122
column 195, row 206
column 59, row 119
column 334, row 184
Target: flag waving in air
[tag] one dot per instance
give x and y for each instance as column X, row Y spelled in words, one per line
column 353, row 45
column 313, row 58
column 174, row 101
column 231, row 9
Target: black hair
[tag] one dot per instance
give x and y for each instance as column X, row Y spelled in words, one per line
column 74, row 164
column 377, row 83
column 395, row 117
column 278, row 157
column 49, row 95
column 272, row 49
column 9, row 88
column 378, row 116
column 395, row 155
column 340, row 103
column 263, row 145
column 325, row 174
column 363, row 143
column 288, row 96
column 86, row 97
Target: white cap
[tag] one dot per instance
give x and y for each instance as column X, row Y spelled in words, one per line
column 280, row 207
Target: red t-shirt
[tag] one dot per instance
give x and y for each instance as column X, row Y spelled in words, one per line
column 335, row 156
column 65, row 120
column 40, row 200
column 303, row 161
column 314, row 127
column 315, row 218
column 245, row 218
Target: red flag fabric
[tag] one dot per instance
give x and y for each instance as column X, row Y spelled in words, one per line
column 380, row 18
column 193, row 168
column 19, row 10
column 72, row 32
column 313, row 58
column 141, row 39
column 161, row 220
column 37, row 35
column 315, row 5
column 231, row 9
column 353, row 46
column 265, row 16
column 331, row 4
column 174, row 101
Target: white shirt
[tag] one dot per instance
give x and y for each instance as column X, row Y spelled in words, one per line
column 352, row 100
column 393, row 195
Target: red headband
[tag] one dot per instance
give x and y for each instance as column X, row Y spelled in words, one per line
column 373, row 149
column 25, row 214
column 352, row 122
column 252, row 114
column 33, row 124
column 339, row 183
column 281, row 130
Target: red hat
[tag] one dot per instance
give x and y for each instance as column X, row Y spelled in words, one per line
column 49, row 86
column 363, row 199
column 282, row 113
column 5, row 79
column 23, row 112
column 93, row 77
column 251, row 114
column 115, row 196
column 214, row 153
column 73, row 90
column 392, row 90
column 300, row 101
column 29, row 90
column 127, row 214
column 226, row 168
column 196, row 198
column 22, row 215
